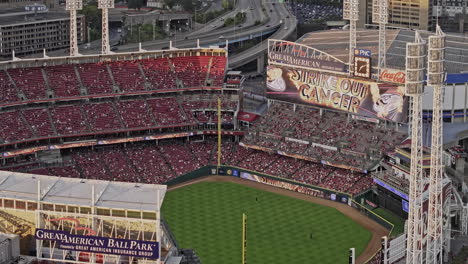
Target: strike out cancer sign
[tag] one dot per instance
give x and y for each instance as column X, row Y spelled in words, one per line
column 351, row 95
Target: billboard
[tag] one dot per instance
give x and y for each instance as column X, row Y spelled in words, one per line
column 282, row 184
column 96, row 244
column 367, row 98
column 294, row 54
column 393, row 76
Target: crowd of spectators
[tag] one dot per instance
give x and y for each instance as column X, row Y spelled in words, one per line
column 85, row 118
column 159, row 163
column 394, row 179
column 105, row 78
column 323, row 135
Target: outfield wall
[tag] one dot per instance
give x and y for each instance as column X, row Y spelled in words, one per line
column 282, row 183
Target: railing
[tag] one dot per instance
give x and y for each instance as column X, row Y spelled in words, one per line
column 168, row 232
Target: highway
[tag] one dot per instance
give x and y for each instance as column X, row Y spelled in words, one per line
column 286, row 28
column 252, row 9
column 279, row 21
column 276, row 20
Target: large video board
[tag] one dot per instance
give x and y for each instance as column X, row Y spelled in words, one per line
column 384, row 101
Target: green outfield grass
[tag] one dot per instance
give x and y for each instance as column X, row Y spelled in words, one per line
column 398, row 223
column 208, row 218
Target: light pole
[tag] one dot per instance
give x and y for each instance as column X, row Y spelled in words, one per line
column 105, row 5
column 351, row 13
column 72, row 6
column 380, row 15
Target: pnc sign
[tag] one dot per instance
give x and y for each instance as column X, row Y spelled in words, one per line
column 362, row 53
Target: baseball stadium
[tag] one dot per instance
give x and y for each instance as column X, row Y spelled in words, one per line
column 169, row 156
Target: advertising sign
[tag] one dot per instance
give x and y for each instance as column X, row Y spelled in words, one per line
column 367, row 98
column 362, row 53
column 362, row 67
column 393, row 76
column 293, row 54
column 390, row 188
column 282, row 184
column 96, row 244
column 405, row 206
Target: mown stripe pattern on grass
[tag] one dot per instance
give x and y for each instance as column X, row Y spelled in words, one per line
column 208, row 218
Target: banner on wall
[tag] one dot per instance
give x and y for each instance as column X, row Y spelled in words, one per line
column 282, row 184
column 96, row 244
column 393, row 76
column 366, row 98
column 290, row 53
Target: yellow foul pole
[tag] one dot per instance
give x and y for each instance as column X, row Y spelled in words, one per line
column 244, row 239
column 219, row 132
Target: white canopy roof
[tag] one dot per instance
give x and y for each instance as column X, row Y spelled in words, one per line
column 78, row 192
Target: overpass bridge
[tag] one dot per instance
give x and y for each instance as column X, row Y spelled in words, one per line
column 277, row 21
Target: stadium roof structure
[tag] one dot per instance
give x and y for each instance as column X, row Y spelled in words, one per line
column 78, row 192
column 336, row 43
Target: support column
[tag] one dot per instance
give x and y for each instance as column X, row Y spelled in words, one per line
column 415, row 57
column 73, row 34
column 105, row 31
column 352, row 45
column 415, row 223
column 436, row 78
column 72, row 6
column 351, row 13
column 260, row 63
column 105, row 5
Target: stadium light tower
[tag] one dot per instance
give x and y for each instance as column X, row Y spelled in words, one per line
column 436, row 78
column 380, row 15
column 105, row 5
column 72, row 6
column 351, row 13
column 415, row 88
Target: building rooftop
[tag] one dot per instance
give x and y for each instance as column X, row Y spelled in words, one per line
column 30, row 17
column 336, row 43
column 78, row 192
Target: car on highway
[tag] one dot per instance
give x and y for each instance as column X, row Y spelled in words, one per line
column 268, row 26
column 251, row 8
column 221, row 37
column 213, row 26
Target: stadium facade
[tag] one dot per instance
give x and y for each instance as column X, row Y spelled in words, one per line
column 151, row 116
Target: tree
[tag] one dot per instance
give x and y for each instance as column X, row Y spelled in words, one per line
column 187, row 5
column 170, row 3
column 94, row 18
column 227, row 4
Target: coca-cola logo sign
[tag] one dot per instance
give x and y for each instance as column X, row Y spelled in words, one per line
column 393, row 76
